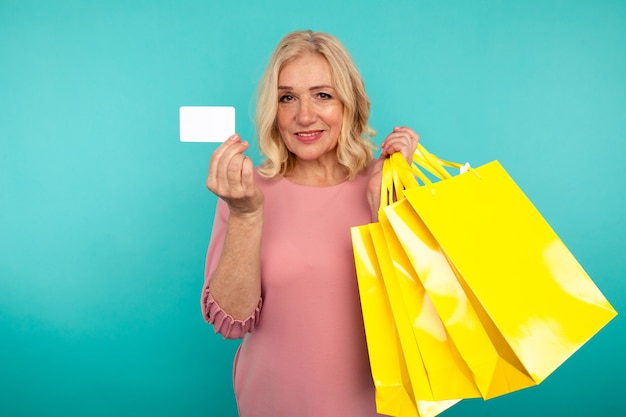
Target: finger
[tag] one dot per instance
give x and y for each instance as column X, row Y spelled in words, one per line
column 220, row 160
column 401, row 146
column 414, row 136
column 217, row 155
column 399, row 134
column 234, row 176
column 396, row 142
column 219, row 151
column 405, row 129
column 247, row 176
column 230, row 150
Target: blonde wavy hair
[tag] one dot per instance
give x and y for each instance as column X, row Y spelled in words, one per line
column 355, row 146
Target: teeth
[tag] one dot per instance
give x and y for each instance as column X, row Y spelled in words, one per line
column 307, row 134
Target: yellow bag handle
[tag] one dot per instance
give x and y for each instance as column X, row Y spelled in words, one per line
column 398, row 175
column 434, row 164
column 386, row 186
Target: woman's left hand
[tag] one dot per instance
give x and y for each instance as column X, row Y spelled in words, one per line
column 402, row 139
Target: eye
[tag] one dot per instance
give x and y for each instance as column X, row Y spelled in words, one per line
column 324, row 96
column 285, row 98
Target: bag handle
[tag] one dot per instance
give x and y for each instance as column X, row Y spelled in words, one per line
column 398, row 175
column 434, row 164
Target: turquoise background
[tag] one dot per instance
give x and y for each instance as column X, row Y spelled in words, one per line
column 104, row 218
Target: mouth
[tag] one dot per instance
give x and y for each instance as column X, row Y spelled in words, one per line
column 309, row 136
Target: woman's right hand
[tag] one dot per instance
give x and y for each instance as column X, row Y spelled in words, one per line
column 231, row 177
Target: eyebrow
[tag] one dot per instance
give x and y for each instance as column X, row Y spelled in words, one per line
column 317, row 87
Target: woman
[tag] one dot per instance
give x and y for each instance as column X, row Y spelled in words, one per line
column 280, row 270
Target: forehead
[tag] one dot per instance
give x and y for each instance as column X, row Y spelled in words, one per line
column 306, row 70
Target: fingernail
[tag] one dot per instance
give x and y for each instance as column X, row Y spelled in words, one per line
column 233, row 137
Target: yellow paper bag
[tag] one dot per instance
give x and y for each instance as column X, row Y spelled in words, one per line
column 490, row 363
column 394, row 391
column 392, row 376
column 508, row 275
column 394, row 394
column 443, row 375
column 470, row 346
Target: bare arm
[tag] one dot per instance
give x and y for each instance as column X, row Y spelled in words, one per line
column 236, row 282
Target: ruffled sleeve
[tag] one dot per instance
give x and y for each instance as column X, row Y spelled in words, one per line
column 223, row 323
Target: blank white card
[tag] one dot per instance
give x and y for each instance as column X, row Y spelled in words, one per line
column 206, row 123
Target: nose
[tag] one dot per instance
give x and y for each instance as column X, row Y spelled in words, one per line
column 306, row 112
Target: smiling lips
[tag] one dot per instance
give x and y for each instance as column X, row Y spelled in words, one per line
column 309, row 136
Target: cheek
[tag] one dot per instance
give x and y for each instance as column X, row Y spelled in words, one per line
column 335, row 117
column 282, row 118
column 283, row 125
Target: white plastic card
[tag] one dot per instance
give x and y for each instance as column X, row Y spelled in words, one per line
column 206, row 123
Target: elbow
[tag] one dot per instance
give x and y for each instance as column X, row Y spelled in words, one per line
column 225, row 324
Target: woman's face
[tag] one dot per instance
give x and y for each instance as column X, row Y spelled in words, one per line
column 310, row 113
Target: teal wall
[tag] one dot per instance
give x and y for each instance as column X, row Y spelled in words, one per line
column 104, row 218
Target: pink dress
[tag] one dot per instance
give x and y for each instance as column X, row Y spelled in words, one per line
column 303, row 351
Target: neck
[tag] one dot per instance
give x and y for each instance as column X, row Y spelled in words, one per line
column 317, row 173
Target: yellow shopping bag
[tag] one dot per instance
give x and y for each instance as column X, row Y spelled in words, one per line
column 453, row 313
column 513, row 299
column 436, row 370
column 394, row 394
column 392, row 370
column 494, row 369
